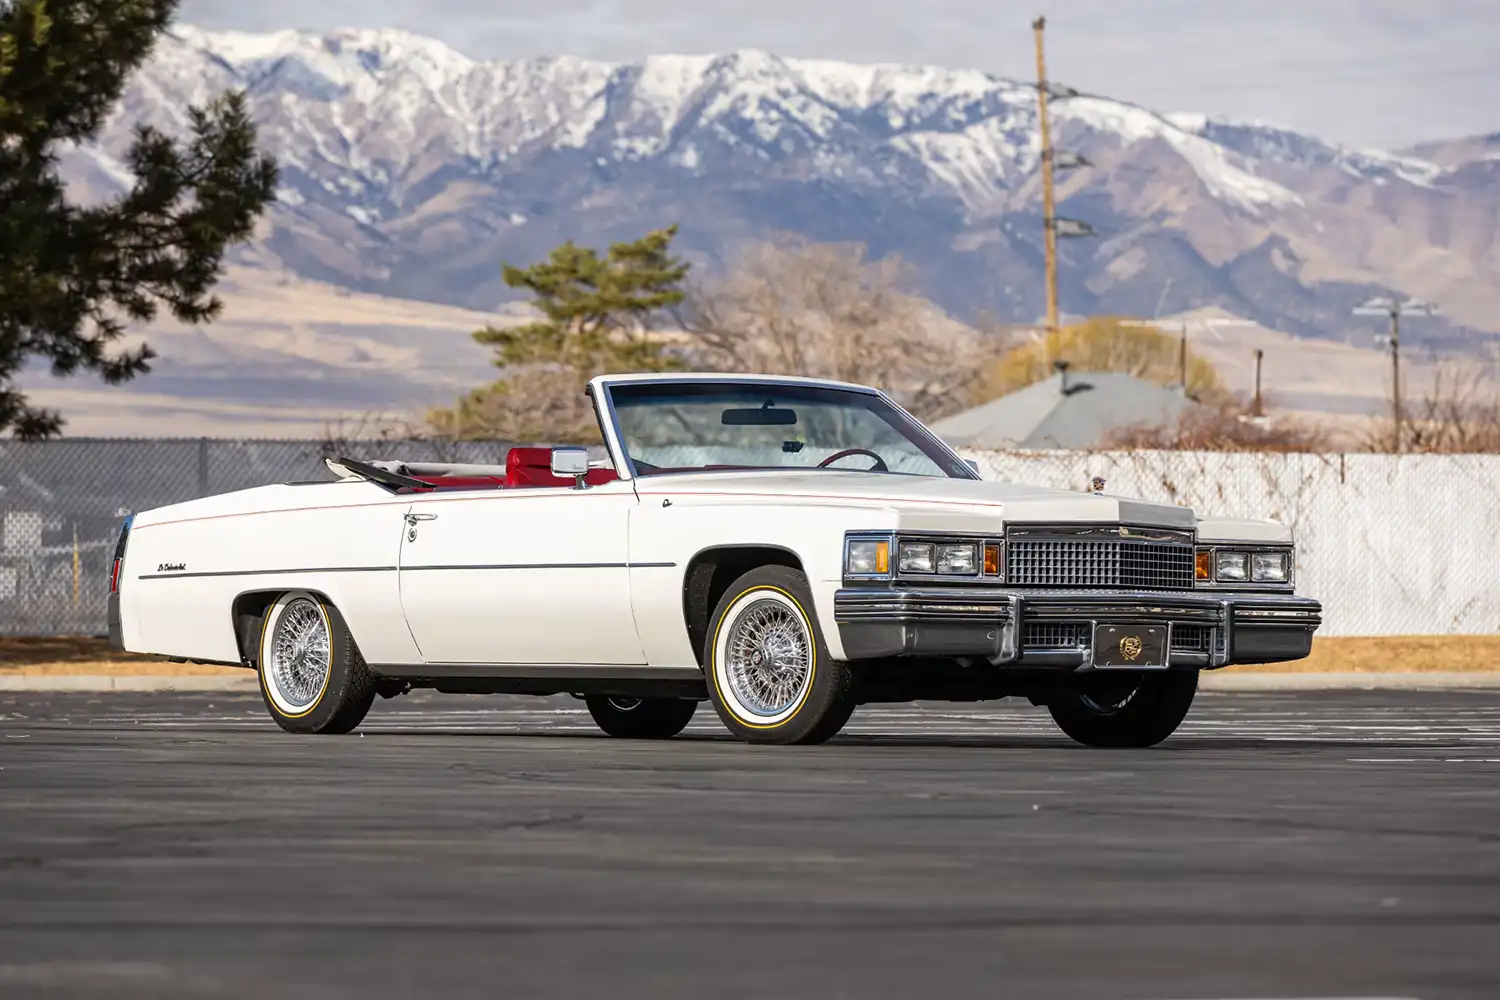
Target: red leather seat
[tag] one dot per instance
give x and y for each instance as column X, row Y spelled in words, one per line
column 533, row 467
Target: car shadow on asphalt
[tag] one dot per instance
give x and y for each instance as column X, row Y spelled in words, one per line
column 937, row 740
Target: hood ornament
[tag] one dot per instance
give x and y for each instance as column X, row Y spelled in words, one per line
column 1097, row 485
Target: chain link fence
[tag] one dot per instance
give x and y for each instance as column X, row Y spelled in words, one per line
column 61, row 503
column 1392, row 544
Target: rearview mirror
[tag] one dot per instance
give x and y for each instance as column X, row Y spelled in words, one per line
column 762, row 416
column 570, row 462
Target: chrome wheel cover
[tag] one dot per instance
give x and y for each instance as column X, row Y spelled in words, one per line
column 768, row 658
column 300, row 657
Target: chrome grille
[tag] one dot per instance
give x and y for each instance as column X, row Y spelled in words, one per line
column 1068, row 562
column 1055, row 635
column 1191, row 638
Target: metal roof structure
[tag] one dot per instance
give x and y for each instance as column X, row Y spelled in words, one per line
column 1069, row 410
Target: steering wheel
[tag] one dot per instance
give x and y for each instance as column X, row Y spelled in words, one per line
column 879, row 466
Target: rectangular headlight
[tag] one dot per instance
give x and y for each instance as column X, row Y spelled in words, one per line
column 959, row 560
column 868, row 557
column 916, row 557
column 1232, row 566
column 1269, row 567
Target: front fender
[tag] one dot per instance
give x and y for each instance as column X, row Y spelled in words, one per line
column 665, row 540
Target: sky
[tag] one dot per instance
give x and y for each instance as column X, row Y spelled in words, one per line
column 1367, row 73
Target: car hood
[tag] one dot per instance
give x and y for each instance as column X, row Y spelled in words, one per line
column 919, row 501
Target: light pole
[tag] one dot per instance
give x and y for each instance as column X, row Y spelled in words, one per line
column 1384, row 305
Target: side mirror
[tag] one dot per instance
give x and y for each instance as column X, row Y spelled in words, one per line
column 571, row 462
column 973, row 466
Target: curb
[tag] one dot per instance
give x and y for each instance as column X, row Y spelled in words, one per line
column 126, row 682
column 1224, row 681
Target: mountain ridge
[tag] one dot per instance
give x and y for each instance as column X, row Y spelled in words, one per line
column 412, row 170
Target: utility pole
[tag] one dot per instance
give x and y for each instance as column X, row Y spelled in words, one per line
column 1394, row 309
column 1256, row 409
column 1182, row 359
column 1049, row 206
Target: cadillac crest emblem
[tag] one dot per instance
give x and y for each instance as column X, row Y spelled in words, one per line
column 1097, row 484
column 1130, row 647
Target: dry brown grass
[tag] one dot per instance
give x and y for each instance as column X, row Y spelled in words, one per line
column 1393, row 654
column 85, row 655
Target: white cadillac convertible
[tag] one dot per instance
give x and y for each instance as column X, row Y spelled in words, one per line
column 785, row 548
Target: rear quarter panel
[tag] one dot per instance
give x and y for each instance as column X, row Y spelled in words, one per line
column 185, row 565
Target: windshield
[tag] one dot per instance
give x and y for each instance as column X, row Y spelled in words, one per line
column 686, row 427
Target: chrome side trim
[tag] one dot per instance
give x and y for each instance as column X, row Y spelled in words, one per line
column 933, row 604
column 1251, row 616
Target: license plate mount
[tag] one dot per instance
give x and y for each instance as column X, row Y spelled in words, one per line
column 1130, row 647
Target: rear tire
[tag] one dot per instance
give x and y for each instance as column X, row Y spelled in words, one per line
column 770, row 677
column 1105, row 710
column 641, row 718
column 312, row 676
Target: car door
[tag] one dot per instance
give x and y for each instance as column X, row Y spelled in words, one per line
column 521, row 576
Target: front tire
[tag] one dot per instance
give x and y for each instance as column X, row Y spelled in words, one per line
column 312, row 676
column 770, row 677
column 1125, row 710
column 641, row 718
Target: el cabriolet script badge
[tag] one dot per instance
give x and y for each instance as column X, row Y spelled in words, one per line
column 171, row 567
column 1130, row 647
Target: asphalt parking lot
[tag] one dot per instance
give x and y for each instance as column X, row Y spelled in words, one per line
column 1308, row 845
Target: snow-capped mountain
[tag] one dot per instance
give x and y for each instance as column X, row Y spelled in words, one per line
column 412, row 170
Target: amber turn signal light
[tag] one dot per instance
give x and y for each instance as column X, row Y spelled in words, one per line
column 1201, row 568
column 992, row 560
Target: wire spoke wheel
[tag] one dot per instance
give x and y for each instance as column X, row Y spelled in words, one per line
column 770, row 677
column 769, row 657
column 301, row 656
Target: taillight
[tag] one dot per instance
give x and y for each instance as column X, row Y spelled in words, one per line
column 114, row 571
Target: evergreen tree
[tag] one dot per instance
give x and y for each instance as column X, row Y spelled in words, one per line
column 597, row 318
column 72, row 277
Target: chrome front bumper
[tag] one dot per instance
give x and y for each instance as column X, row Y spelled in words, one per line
column 1055, row 628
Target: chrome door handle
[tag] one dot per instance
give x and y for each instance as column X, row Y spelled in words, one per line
column 414, row 518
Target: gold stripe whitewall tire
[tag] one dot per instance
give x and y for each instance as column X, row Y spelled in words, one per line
column 769, row 674
column 312, row 677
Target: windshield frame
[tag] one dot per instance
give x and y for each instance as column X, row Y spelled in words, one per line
column 600, row 390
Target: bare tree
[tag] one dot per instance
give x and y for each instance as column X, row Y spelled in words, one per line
column 541, row 403
column 1458, row 412
column 342, row 435
column 1223, row 426
column 788, row 306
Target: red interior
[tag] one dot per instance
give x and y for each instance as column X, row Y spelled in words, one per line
column 533, row 467
column 523, row 467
